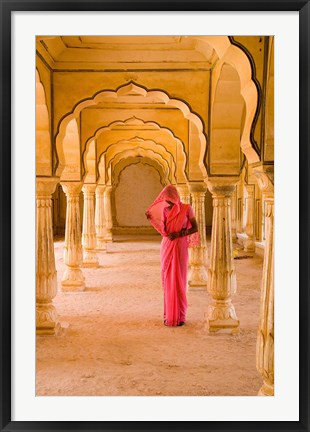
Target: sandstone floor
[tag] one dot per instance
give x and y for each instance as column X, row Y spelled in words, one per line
column 113, row 341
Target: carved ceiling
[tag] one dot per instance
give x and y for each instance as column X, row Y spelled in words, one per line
column 125, row 52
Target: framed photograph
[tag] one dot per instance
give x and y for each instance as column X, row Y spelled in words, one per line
column 114, row 118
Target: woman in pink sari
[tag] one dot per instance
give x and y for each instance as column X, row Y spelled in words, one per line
column 176, row 222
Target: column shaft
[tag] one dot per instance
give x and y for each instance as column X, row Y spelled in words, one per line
column 108, row 214
column 265, row 336
column 198, row 255
column 240, row 201
column 73, row 279
column 184, row 194
column 46, row 275
column 249, row 244
column 221, row 274
column 234, row 215
column 90, row 258
column 100, row 222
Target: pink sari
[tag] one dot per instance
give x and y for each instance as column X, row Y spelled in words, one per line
column 173, row 253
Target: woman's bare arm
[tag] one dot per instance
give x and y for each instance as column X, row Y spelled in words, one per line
column 194, row 227
column 185, row 232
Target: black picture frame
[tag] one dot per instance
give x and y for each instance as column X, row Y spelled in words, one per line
column 7, row 7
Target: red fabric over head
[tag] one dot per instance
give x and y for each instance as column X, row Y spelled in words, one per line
column 155, row 212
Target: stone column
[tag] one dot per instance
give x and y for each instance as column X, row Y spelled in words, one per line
column 249, row 244
column 46, row 275
column 198, row 255
column 234, row 215
column 100, row 218
column 184, row 194
column 222, row 283
column 240, row 201
column 73, row 279
column 90, row 258
column 265, row 336
column 108, row 214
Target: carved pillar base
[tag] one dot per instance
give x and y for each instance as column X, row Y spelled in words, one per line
column 249, row 245
column 108, row 238
column 73, row 280
column 234, row 235
column 46, row 319
column 90, row 258
column 266, row 390
column 101, row 244
column 221, row 316
column 198, row 275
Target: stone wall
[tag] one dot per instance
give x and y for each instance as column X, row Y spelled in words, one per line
column 138, row 186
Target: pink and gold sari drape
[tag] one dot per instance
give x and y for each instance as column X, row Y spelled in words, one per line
column 173, row 253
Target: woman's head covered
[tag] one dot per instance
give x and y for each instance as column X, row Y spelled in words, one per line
column 170, row 193
column 155, row 211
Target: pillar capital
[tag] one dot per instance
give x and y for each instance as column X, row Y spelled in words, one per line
column 45, row 186
column 183, row 190
column 198, row 187
column 100, row 189
column 108, row 189
column 250, row 188
column 222, row 185
column 265, row 180
column 89, row 188
column 71, row 188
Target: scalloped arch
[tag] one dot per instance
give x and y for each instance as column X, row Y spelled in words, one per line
column 134, row 123
column 130, row 160
column 143, row 152
column 228, row 53
column 122, row 94
column 235, row 57
column 134, row 140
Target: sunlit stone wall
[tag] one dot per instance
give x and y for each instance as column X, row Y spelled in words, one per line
column 138, row 186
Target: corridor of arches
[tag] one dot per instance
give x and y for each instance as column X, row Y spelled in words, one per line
column 117, row 119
